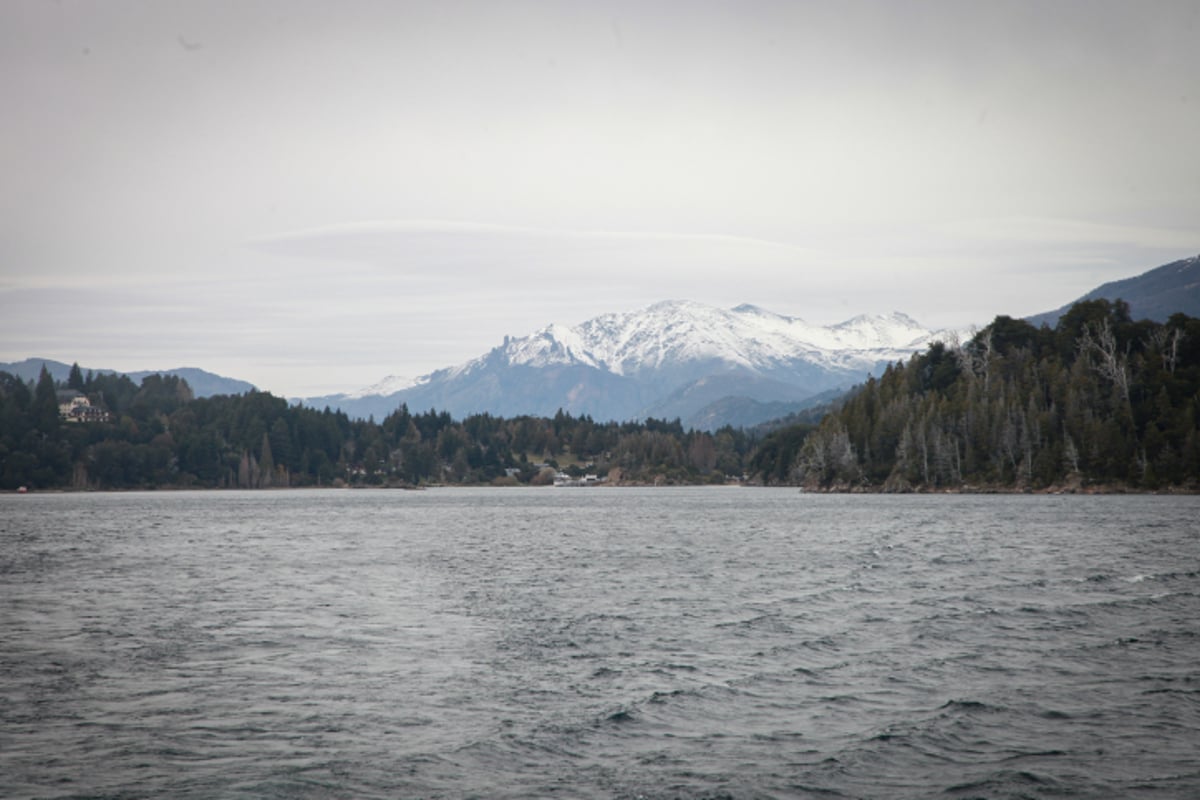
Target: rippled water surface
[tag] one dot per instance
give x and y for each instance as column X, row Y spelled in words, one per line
column 677, row 643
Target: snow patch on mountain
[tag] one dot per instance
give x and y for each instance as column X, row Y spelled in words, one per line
column 554, row 344
column 389, row 385
column 749, row 337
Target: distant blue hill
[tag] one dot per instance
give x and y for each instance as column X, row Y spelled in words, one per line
column 203, row 384
column 1170, row 289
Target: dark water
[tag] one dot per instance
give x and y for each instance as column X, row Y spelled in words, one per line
column 598, row 643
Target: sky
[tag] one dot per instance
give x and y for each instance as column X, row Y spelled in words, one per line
column 313, row 195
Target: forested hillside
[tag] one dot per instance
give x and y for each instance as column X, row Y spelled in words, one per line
column 158, row 435
column 1098, row 401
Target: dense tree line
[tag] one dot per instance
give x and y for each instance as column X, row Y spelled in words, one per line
column 1099, row 400
column 157, row 434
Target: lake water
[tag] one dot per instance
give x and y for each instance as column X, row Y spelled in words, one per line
column 598, row 643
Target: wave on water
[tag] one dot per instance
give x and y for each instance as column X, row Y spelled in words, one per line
column 643, row 644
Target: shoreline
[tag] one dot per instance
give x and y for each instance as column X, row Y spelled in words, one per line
column 1054, row 490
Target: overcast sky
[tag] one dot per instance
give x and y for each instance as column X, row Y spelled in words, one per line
column 313, row 195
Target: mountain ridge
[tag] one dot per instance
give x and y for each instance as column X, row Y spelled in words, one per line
column 1155, row 294
column 202, row 382
column 674, row 358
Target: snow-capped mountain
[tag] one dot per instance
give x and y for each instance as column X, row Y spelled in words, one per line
column 672, row 359
column 673, row 333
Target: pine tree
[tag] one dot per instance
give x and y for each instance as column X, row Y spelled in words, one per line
column 75, row 379
column 45, row 404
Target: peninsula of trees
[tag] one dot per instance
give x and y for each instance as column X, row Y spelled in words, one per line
column 1098, row 402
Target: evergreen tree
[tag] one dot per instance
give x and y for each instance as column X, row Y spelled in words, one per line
column 75, row 379
column 45, row 404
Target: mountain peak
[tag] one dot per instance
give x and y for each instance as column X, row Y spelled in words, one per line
column 671, row 358
column 672, row 333
column 675, row 306
column 749, row 309
column 898, row 317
